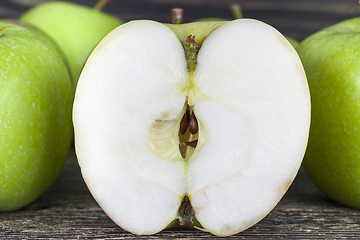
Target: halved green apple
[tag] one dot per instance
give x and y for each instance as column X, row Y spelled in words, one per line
column 203, row 123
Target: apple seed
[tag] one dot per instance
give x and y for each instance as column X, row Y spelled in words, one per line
column 184, row 122
column 191, row 144
column 193, row 126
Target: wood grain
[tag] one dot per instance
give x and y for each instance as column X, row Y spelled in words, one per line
column 68, row 211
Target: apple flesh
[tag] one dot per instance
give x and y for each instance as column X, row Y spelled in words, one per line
column 35, row 114
column 164, row 133
column 331, row 60
column 76, row 29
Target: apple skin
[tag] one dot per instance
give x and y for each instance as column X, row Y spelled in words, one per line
column 331, row 58
column 76, row 29
column 35, row 114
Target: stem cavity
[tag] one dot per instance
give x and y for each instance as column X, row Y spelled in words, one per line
column 191, row 51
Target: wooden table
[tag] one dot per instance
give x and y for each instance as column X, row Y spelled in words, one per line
column 68, row 211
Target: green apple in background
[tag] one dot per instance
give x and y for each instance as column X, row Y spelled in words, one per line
column 331, row 59
column 36, row 131
column 76, row 29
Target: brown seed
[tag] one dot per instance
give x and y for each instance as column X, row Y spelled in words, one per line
column 184, row 123
column 191, row 144
column 193, row 126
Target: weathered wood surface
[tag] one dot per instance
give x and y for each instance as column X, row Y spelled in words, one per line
column 68, row 211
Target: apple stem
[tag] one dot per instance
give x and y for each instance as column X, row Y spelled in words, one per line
column 236, row 11
column 191, row 51
column 176, row 15
column 100, row 5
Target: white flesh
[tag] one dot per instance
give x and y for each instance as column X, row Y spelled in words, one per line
column 253, row 107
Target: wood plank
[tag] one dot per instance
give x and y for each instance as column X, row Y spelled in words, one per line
column 68, row 211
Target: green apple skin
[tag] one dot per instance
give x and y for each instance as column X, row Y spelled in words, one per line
column 331, row 58
column 35, row 114
column 76, row 29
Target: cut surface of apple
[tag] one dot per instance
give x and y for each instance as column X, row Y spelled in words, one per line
column 219, row 143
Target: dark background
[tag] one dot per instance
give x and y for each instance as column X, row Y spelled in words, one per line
column 295, row 18
column 68, row 211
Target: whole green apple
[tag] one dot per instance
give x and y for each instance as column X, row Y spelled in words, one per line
column 36, row 131
column 76, row 29
column 331, row 59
